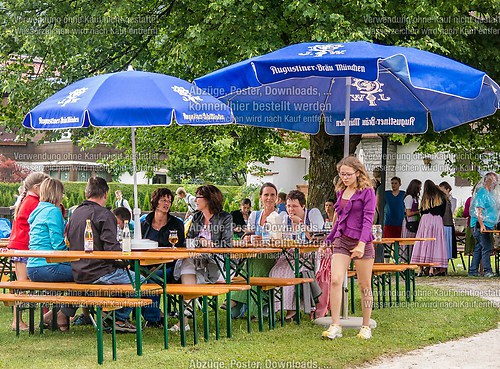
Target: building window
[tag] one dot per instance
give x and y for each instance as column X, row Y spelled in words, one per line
column 83, row 176
column 160, row 179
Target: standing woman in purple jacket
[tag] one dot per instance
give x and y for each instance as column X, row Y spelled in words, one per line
column 352, row 238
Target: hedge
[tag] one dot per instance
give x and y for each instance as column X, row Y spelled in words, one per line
column 75, row 194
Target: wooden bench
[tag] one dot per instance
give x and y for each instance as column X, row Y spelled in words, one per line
column 270, row 285
column 185, row 291
column 99, row 303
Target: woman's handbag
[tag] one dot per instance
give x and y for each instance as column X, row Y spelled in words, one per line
column 412, row 226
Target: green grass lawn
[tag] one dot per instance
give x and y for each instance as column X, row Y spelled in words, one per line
column 435, row 317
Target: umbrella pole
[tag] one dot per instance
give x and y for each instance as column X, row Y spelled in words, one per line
column 347, row 115
column 345, row 288
column 137, row 211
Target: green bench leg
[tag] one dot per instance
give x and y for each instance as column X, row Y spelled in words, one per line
column 195, row 326
column 229, row 322
column 205, row 319
column 259, row 309
column 113, row 334
column 165, row 308
column 270, row 304
column 181, row 321
column 216, row 317
column 41, row 319
column 100, row 349
column 282, row 309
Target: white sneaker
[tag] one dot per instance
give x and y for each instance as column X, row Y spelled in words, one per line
column 177, row 328
column 365, row 332
column 332, row 332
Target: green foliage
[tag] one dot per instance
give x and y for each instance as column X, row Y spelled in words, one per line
column 459, row 213
column 190, row 38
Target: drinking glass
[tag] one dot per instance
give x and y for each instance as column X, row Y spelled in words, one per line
column 173, row 238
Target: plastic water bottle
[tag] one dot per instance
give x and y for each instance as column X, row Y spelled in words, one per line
column 266, row 233
column 88, row 238
column 127, row 241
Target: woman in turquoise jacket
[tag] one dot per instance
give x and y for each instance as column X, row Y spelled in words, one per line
column 47, row 234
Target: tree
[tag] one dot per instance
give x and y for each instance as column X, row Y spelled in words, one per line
column 10, row 172
column 191, row 38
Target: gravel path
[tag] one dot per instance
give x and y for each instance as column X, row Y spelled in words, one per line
column 481, row 351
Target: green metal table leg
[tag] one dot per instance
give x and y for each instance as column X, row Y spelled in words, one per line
column 18, row 317
column 41, row 319
column 249, row 299
column 383, row 278
column 259, row 309
column 396, row 252
column 195, row 326
column 113, row 334
column 100, row 349
column 165, row 307
column 205, row 319
column 31, row 311
column 181, row 321
column 216, row 317
column 297, row 286
column 270, row 304
column 229, row 326
column 414, row 285
column 138, row 315
column 282, row 310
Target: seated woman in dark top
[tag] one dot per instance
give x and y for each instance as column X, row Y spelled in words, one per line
column 160, row 222
column 211, row 227
column 240, row 217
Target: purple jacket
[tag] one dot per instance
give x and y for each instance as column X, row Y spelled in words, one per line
column 356, row 218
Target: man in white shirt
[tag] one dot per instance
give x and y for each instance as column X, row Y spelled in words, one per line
column 121, row 202
column 188, row 199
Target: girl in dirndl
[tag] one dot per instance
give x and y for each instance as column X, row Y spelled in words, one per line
column 432, row 208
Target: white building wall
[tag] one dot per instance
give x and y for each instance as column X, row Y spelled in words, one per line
column 127, row 178
column 410, row 165
column 284, row 173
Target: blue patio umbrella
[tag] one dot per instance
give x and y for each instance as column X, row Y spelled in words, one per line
column 377, row 89
column 392, row 89
column 128, row 99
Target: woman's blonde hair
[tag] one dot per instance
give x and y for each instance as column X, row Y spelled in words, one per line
column 31, row 181
column 363, row 178
column 51, row 190
column 432, row 197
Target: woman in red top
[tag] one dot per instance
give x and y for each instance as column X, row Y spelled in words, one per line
column 19, row 237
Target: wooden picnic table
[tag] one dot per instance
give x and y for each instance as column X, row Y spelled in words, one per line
column 138, row 258
column 400, row 241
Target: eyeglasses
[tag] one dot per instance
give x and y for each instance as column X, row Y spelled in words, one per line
column 347, row 175
column 200, row 197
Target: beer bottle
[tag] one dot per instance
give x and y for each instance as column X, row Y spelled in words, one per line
column 88, row 238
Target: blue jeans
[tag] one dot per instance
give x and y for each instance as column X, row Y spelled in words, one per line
column 60, row 272
column 121, row 276
column 482, row 251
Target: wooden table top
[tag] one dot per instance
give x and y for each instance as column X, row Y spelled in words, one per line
column 403, row 241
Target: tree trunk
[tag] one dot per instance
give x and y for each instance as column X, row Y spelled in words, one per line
column 326, row 152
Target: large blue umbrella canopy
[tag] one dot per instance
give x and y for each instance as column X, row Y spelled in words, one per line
column 128, row 99
column 376, row 88
column 393, row 89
